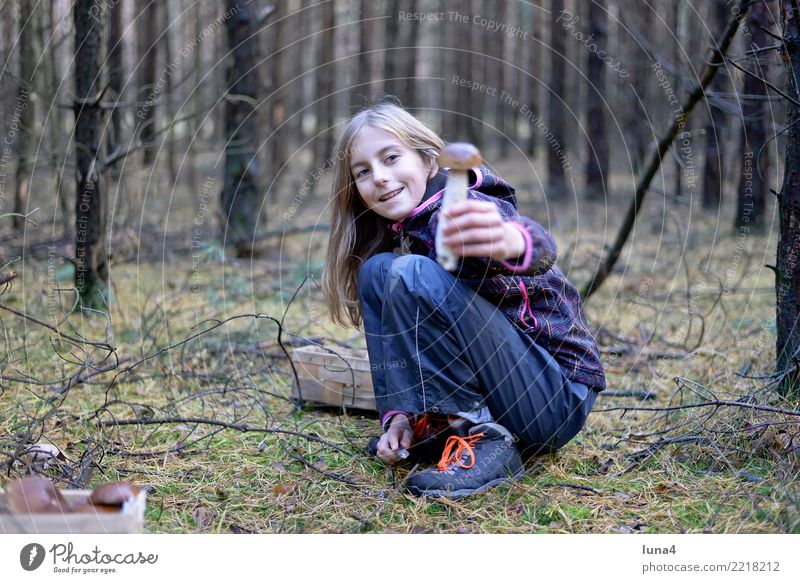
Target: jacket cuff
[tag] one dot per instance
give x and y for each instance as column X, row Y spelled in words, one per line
column 524, row 265
column 387, row 417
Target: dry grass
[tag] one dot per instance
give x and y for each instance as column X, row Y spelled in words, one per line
column 736, row 474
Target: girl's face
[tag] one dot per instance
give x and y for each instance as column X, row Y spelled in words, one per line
column 390, row 177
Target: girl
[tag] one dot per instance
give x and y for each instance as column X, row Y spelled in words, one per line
column 471, row 367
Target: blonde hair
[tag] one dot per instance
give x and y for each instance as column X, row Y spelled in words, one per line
column 356, row 232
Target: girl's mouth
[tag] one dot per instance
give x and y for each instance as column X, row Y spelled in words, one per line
column 390, row 196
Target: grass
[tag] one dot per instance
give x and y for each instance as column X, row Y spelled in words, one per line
column 662, row 304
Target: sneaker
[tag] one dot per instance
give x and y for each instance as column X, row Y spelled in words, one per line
column 431, row 433
column 485, row 458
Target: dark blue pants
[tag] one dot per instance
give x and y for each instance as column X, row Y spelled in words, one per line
column 436, row 346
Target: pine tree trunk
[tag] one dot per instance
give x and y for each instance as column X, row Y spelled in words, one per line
column 787, row 272
column 91, row 268
column 715, row 143
column 556, row 173
column 597, row 154
column 324, row 83
column 241, row 193
column 366, row 42
column 753, row 185
column 116, row 73
column 147, row 35
column 24, row 107
column 56, row 123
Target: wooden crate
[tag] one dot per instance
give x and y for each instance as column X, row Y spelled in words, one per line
column 129, row 520
column 337, row 377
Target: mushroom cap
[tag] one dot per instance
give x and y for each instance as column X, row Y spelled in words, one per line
column 460, row 156
column 35, row 496
column 114, row 493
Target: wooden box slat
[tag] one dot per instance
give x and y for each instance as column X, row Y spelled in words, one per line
column 324, row 377
column 129, row 520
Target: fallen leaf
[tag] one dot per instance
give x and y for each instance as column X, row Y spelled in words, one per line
column 279, row 489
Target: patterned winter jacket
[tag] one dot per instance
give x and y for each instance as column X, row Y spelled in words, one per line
column 531, row 291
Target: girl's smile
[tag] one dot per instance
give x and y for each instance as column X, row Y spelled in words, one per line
column 390, row 177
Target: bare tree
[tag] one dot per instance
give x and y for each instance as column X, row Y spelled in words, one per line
column 146, row 35
column 323, row 143
column 556, row 173
column 752, row 192
column 241, row 193
column 715, row 145
column 367, row 44
column 25, row 108
column 597, row 162
column 116, row 71
column 787, row 271
column 91, row 267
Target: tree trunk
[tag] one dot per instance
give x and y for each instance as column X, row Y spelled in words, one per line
column 638, row 128
column 91, row 268
column 597, row 154
column 147, row 35
column 24, row 108
column 50, row 84
column 241, row 193
column 278, row 146
column 367, row 44
column 167, row 11
column 556, row 172
column 753, row 184
column 116, row 72
column 323, row 140
column 715, row 144
column 787, row 272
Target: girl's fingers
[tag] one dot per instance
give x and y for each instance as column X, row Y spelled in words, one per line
column 405, row 442
column 471, row 221
column 468, row 206
column 472, row 236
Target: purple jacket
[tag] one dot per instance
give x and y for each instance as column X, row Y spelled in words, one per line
column 531, row 291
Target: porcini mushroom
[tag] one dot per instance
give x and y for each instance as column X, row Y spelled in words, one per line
column 114, row 494
column 35, row 496
column 459, row 157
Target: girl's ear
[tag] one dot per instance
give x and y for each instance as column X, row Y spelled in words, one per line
column 434, row 167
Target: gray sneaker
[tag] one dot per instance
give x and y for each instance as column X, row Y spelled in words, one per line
column 485, row 458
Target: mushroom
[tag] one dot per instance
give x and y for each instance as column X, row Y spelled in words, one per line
column 35, row 496
column 459, row 157
column 114, row 494
column 95, row 508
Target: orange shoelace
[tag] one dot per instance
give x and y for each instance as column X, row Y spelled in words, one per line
column 461, row 445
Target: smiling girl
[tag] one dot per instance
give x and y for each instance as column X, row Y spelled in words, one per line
column 469, row 368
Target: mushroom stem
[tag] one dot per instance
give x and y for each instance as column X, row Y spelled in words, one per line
column 455, row 191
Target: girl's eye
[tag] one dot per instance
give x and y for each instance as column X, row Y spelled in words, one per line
column 361, row 173
column 392, row 157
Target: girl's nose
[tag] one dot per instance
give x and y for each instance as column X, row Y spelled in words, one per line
column 379, row 176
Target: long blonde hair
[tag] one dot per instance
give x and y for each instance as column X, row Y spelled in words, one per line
column 356, row 232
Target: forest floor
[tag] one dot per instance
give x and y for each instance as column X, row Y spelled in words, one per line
column 690, row 437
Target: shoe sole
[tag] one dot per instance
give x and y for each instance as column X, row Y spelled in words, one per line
column 456, row 494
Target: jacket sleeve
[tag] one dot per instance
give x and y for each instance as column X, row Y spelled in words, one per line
column 540, row 248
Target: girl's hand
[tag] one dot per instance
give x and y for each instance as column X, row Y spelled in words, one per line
column 399, row 435
column 475, row 228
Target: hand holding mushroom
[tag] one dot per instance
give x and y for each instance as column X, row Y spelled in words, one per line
column 470, row 228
